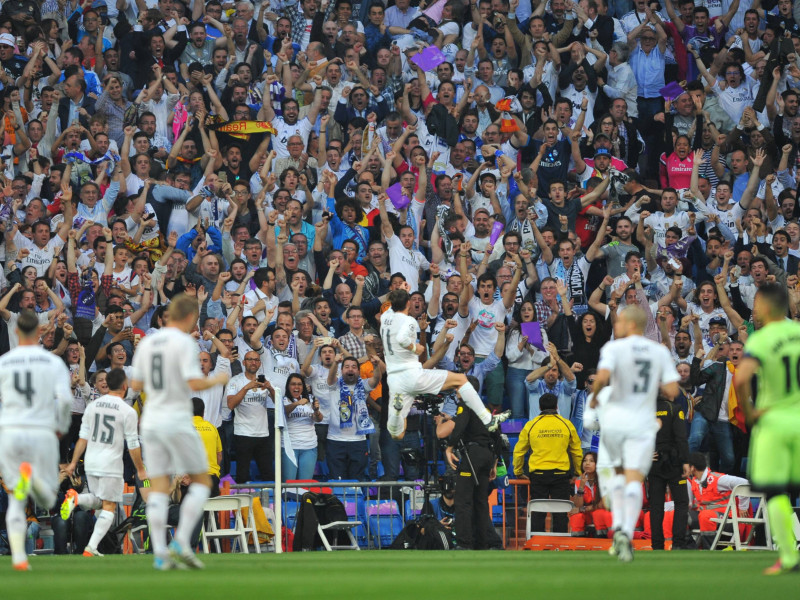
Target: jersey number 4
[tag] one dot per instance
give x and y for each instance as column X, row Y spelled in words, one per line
column 643, row 376
column 107, row 434
column 26, row 391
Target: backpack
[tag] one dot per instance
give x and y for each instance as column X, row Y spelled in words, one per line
column 427, row 533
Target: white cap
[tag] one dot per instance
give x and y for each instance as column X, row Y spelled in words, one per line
column 8, row 40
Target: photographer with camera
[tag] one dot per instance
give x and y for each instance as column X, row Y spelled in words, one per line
column 711, row 411
column 249, row 395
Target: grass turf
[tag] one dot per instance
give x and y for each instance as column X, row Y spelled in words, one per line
column 385, row 575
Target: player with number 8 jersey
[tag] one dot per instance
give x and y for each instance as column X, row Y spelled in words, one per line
column 167, row 368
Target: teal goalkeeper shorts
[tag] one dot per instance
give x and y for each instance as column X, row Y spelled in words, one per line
column 775, row 449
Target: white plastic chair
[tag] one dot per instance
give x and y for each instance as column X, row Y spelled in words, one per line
column 250, row 523
column 222, row 504
column 544, row 505
column 731, row 519
column 336, row 526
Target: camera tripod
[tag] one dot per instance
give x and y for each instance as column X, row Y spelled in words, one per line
column 427, row 459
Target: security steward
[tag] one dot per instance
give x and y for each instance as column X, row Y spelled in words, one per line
column 670, row 468
column 555, row 449
column 476, row 465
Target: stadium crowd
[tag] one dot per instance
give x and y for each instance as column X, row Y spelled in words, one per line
column 526, row 168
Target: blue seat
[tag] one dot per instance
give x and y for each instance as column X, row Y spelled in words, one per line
column 290, row 513
column 349, row 492
column 354, row 511
column 411, row 513
column 385, row 522
column 497, row 515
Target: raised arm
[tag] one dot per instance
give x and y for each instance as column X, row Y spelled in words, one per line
column 386, row 226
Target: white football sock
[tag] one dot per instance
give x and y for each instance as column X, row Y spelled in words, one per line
column 474, row 402
column 617, row 488
column 104, row 520
column 396, row 422
column 191, row 512
column 633, row 506
column 90, row 501
column 156, row 511
column 42, row 494
column 17, row 528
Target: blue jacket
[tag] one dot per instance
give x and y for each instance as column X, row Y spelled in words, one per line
column 185, row 242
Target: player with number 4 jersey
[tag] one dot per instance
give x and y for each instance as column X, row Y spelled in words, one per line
column 35, row 403
column 108, row 424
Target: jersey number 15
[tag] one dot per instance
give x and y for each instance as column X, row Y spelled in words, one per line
column 107, row 434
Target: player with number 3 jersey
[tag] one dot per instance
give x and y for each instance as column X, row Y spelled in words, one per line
column 638, row 370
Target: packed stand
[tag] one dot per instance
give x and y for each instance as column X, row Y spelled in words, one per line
column 527, row 169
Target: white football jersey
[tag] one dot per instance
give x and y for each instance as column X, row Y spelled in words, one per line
column 38, row 257
column 251, row 418
column 284, row 131
column 164, row 362
column 35, row 389
column 639, row 367
column 107, row 424
column 277, row 367
column 398, row 331
column 318, row 383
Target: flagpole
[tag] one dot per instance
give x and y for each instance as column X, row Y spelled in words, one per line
column 278, row 476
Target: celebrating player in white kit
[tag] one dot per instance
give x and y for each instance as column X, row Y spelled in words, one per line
column 35, row 403
column 637, row 370
column 407, row 378
column 107, row 425
column 167, row 367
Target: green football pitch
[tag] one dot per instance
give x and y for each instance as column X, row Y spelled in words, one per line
column 383, row 575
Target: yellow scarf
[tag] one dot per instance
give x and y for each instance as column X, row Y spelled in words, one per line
column 242, row 129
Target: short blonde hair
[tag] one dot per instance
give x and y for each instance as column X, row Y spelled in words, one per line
column 181, row 307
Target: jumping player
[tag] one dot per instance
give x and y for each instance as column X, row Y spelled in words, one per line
column 406, row 377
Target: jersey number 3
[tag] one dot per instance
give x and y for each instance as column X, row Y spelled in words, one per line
column 643, row 376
